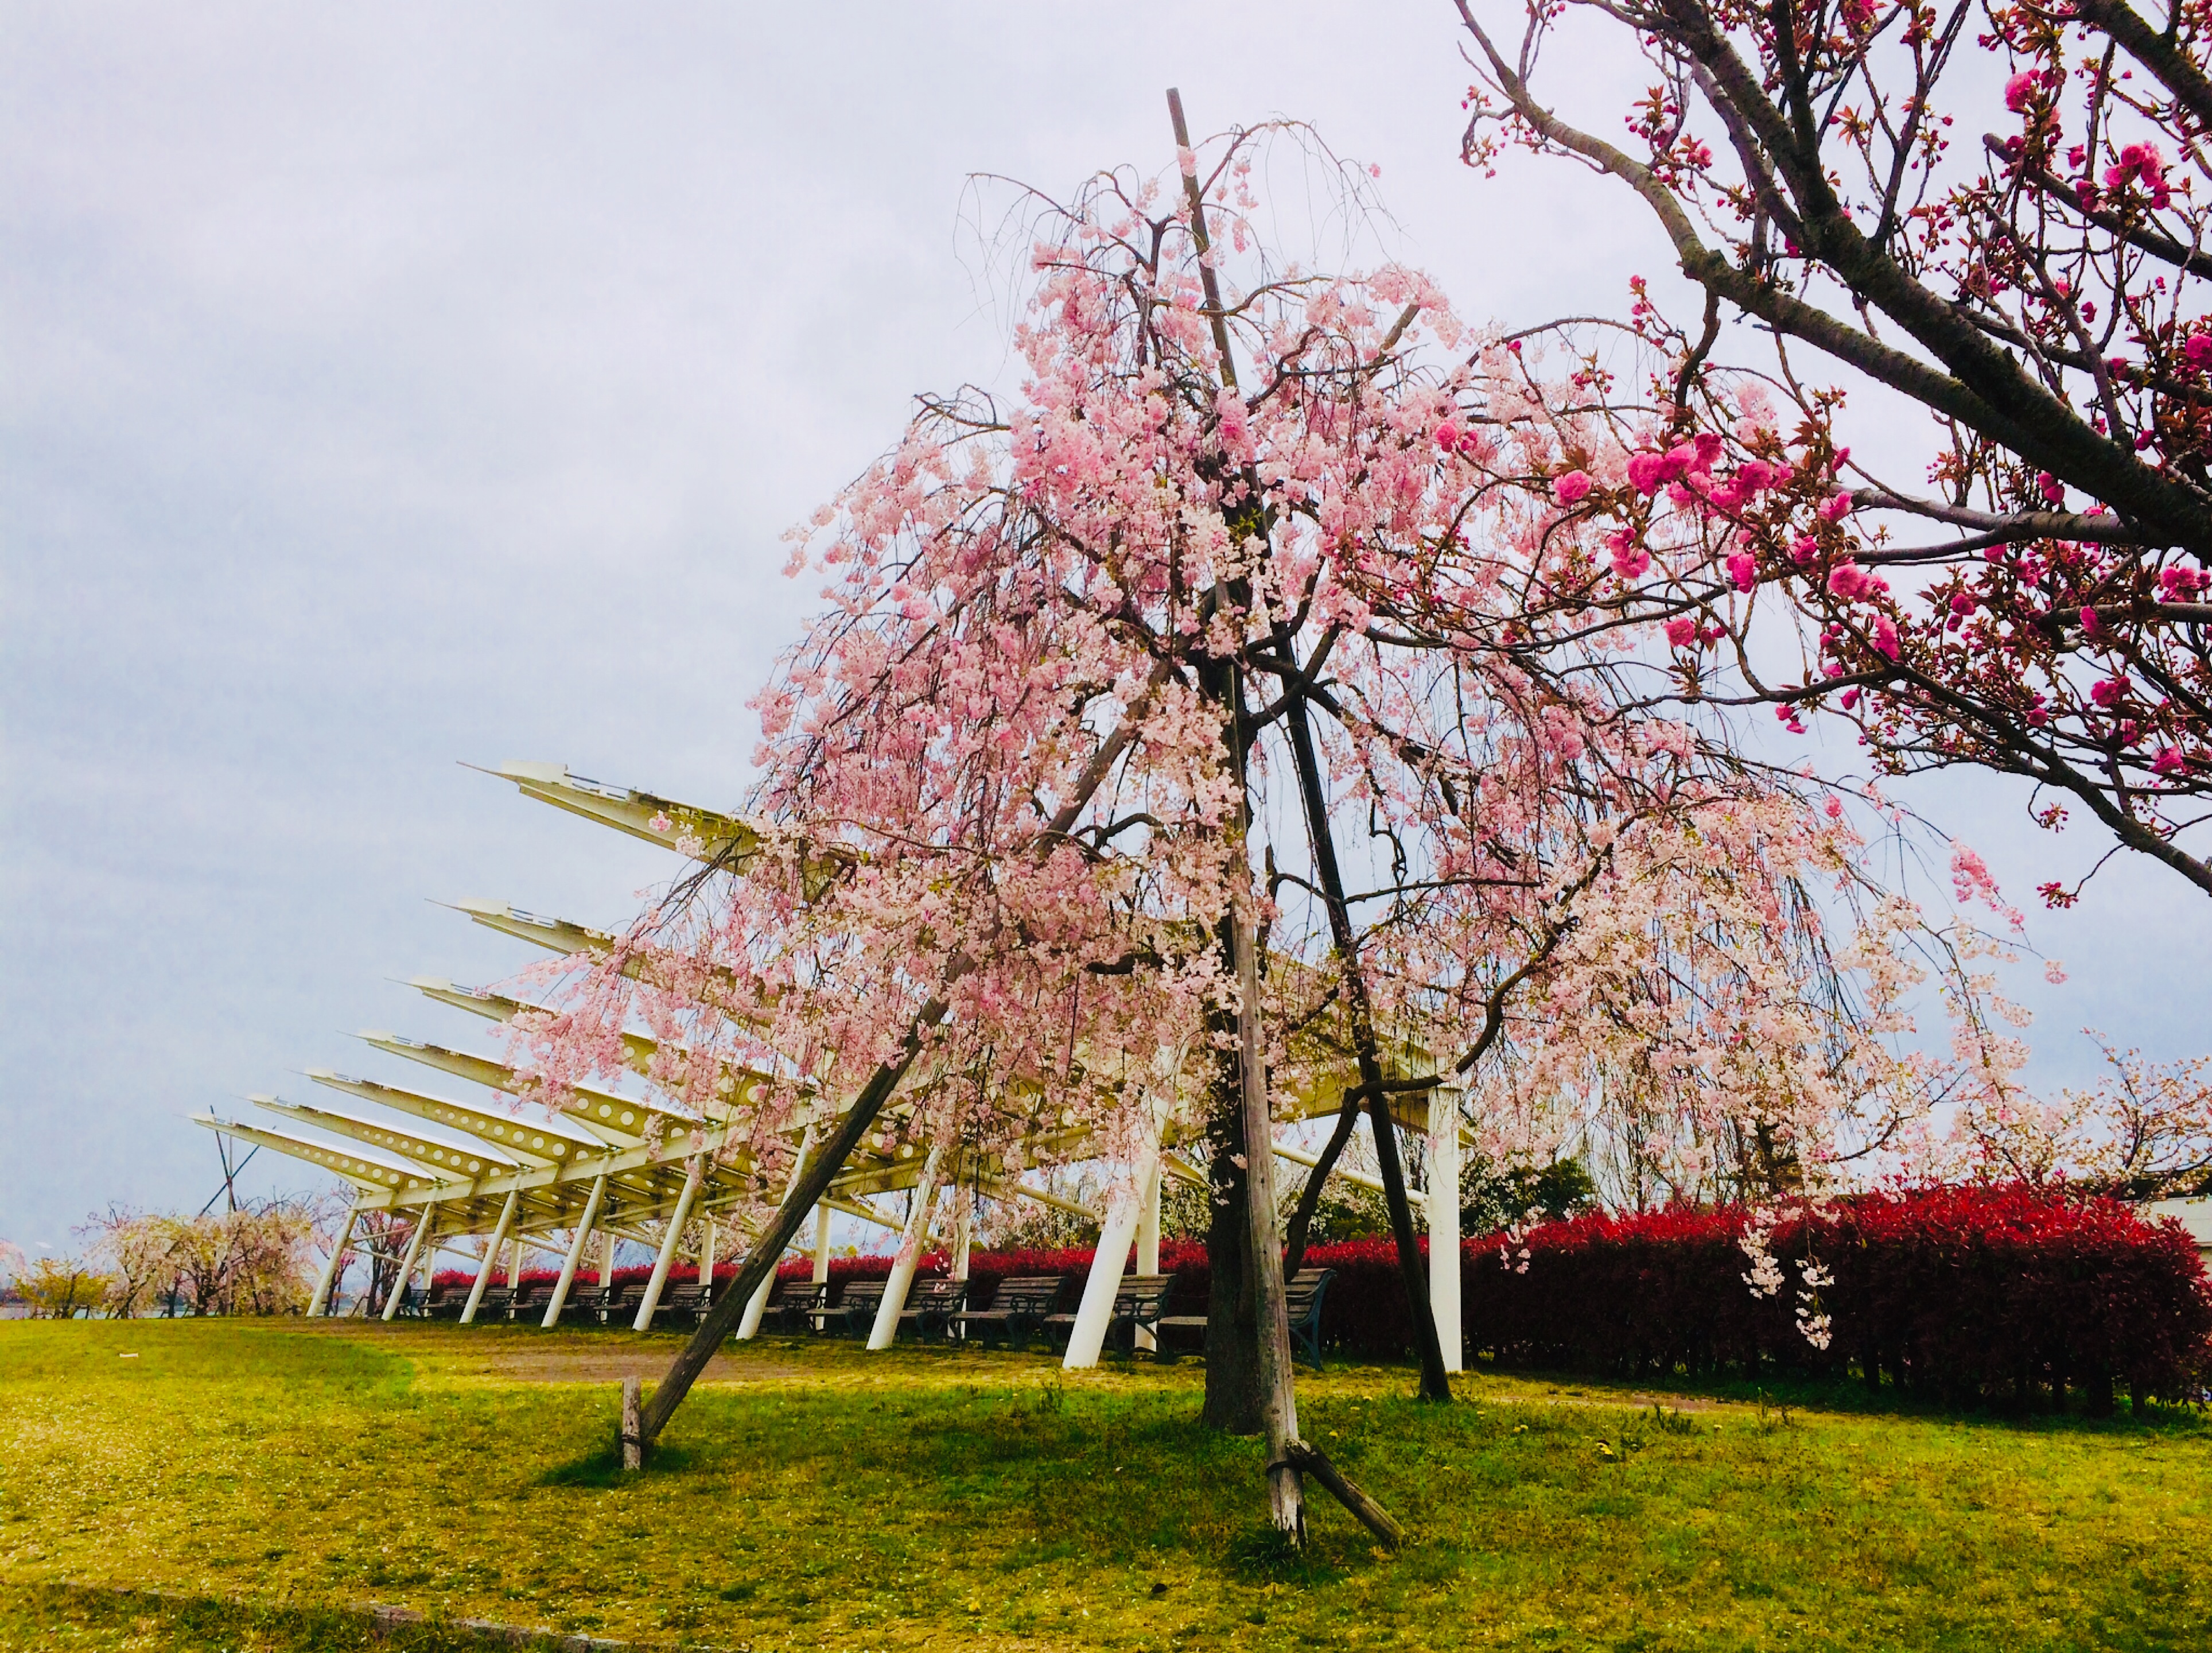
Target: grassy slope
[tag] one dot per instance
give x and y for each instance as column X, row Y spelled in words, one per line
column 932, row 1498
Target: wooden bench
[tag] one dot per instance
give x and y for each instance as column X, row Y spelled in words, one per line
column 529, row 1303
column 791, row 1302
column 620, row 1304
column 584, row 1305
column 1302, row 1295
column 1017, row 1308
column 445, row 1303
column 931, row 1304
column 853, row 1312
column 688, row 1301
column 1138, row 1306
column 492, row 1308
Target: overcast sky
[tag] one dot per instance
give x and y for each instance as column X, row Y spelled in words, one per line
column 382, row 388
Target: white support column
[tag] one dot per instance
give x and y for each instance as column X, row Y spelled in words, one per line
column 1148, row 1242
column 706, row 1249
column 490, row 1257
column 560, row 1299
column 407, row 1262
column 692, row 1176
column 821, row 1244
column 749, row 1327
column 1125, row 1208
column 1443, row 1224
column 320, row 1304
column 514, row 1265
column 964, row 1238
column 1104, row 1283
column 607, row 1259
column 428, row 1265
column 909, row 1254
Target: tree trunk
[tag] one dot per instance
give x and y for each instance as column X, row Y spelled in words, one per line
column 1233, row 1377
column 1436, row 1384
column 767, row 1250
column 1278, row 1402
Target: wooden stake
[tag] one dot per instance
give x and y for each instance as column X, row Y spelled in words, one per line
column 633, row 1430
column 1373, row 1516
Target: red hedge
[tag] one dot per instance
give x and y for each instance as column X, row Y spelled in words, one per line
column 1956, row 1295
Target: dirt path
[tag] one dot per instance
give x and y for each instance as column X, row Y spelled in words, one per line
column 612, row 1365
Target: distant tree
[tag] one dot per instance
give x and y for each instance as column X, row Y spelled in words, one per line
column 2144, row 1132
column 257, row 1260
column 62, row 1288
column 1494, row 1197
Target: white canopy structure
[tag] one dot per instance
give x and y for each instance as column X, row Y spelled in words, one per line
column 487, row 1163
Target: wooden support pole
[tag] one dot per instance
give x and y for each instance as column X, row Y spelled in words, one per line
column 407, row 1262
column 633, row 1428
column 1371, row 1514
column 694, row 1173
column 908, row 1259
column 560, row 1298
column 326, row 1286
column 490, row 1257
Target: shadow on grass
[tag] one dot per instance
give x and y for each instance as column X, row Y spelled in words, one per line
column 1849, row 1395
column 1262, row 1553
column 602, row 1468
column 189, row 1624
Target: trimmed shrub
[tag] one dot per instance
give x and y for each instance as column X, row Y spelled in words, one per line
column 1957, row 1296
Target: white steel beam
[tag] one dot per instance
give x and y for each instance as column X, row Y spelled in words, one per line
column 506, row 1136
column 656, row 820
column 619, row 1120
column 376, row 1175
column 750, row 1326
column 433, row 1156
column 320, row 1304
column 908, row 1256
column 1358, row 1180
column 560, row 1297
column 675, row 1235
column 407, row 1262
column 1124, row 1211
column 1444, row 1224
column 1148, row 1242
column 490, row 1257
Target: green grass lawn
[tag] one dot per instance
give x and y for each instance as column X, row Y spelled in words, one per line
column 264, row 1473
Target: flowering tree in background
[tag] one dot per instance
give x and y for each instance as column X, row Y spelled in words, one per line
column 2017, row 256
column 2146, row 1131
column 1169, row 745
column 258, row 1258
